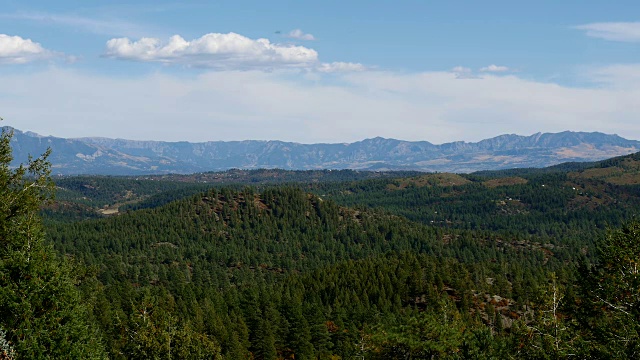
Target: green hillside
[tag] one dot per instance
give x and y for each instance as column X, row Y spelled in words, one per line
column 428, row 266
column 208, row 253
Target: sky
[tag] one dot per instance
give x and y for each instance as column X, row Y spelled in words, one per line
column 319, row 71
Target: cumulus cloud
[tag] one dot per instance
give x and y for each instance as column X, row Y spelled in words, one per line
column 338, row 66
column 613, row 31
column 17, row 50
column 299, row 35
column 214, row 50
column 225, row 52
column 494, row 68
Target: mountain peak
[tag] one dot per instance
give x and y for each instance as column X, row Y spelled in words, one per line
column 96, row 155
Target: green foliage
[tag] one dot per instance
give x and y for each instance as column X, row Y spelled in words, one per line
column 99, row 191
column 7, row 352
column 40, row 306
column 416, row 269
column 552, row 332
column 425, row 335
column 155, row 333
column 311, row 274
column 611, row 295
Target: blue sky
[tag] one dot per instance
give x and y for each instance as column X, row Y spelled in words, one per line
column 330, row 71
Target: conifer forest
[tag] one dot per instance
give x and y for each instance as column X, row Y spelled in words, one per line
column 273, row 264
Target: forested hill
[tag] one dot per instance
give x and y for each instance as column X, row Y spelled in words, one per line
column 282, row 229
column 534, row 202
column 530, row 201
column 485, row 265
column 628, row 165
column 284, row 273
column 129, row 157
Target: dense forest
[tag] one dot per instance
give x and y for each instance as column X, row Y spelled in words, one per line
column 270, row 264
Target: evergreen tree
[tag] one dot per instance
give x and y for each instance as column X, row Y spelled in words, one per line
column 611, row 295
column 424, row 335
column 40, row 306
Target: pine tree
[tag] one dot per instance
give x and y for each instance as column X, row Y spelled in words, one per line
column 40, row 305
column 610, row 306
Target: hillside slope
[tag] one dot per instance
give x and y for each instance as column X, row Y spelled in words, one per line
column 284, row 271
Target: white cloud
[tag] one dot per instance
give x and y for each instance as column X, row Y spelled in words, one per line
column 462, row 72
column 113, row 26
column 494, row 68
column 613, row 31
column 298, row 34
column 215, row 50
column 236, row 105
column 338, row 66
column 617, row 76
column 224, row 52
column 16, row 50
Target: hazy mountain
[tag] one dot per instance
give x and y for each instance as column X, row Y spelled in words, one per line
column 122, row 157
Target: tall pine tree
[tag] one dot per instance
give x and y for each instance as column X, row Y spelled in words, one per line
column 40, row 306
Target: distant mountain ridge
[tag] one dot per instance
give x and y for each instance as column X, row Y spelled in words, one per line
column 132, row 157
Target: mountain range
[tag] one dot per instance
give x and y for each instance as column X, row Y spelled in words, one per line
column 104, row 156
